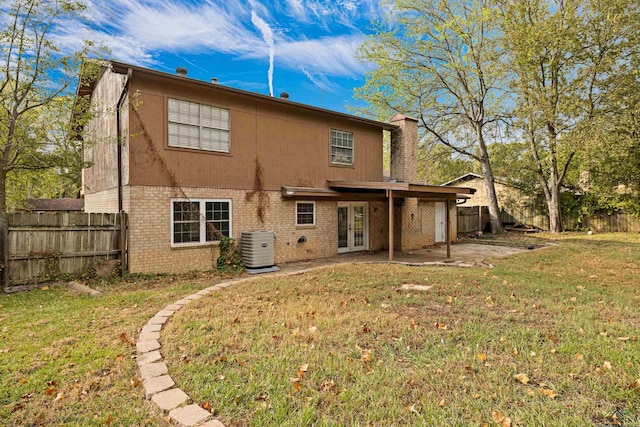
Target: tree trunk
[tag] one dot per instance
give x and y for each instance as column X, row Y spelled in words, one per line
column 492, row 199
column 555, row 210
column 3, row 192
column 487, row 173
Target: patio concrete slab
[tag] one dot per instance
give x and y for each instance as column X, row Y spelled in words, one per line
column 462, row 255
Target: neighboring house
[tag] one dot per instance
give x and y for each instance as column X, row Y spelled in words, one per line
column 195, row 155
column 515, row 207
column 54, row 205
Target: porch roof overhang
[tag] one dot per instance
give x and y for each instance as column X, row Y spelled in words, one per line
column 376, row 190
column 400, row 189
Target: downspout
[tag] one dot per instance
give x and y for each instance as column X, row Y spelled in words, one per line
column 123, row 94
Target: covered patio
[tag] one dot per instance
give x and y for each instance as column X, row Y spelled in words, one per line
column 400, row 195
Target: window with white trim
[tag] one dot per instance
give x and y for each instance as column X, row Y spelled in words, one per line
column 341, row 147
column 305, row 213
column 198, row 126
column 200, row 220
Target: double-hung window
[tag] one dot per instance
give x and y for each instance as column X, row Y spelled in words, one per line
column 198, row 126
column 200, row 221
column 341, row 147
column 305, row 213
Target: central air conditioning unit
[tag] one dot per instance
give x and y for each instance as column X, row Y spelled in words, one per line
column 258, row 250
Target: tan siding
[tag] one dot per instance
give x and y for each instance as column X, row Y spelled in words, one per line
column 292, row 145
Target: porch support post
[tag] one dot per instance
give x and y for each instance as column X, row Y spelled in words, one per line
column 447, row 221
column 390, row 197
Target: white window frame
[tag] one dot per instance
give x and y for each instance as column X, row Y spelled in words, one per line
column 314, row 213
column 202, row 220
column 332, row 146
column 200, row 126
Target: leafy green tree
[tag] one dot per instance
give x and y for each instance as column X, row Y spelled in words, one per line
column 438, row 164
column 35, row 78
column 438, row 61
column 562, row 54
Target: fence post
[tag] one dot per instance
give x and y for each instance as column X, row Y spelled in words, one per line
column 4, row 251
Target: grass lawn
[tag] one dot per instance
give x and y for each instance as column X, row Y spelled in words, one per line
column 342, row 346
column 549, row 337
column 67, row 359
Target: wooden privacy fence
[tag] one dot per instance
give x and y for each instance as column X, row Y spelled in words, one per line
column 37, row 247
column 606, row 222
column 473, row 218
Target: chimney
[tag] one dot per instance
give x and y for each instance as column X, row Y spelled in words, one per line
column 284, row 95
column 181, row 71
column 404, row 149
column 214, row 80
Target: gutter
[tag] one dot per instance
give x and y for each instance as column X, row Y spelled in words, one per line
column 123, row 94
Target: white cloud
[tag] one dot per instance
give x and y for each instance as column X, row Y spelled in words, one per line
column 297, row 9
column 320, row 80
column 334, row 56
column 138, row 31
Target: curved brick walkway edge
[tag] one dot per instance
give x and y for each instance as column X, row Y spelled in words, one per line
column 158, row 384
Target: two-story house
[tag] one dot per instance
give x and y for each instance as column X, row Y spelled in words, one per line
column 190, row 160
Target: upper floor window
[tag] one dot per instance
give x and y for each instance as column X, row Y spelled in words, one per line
column 341, row 147
column 198, row 126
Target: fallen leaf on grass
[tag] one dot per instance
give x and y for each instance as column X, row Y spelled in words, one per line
column 481, row 357
column 45, row 288
column 22, row 380
column 51, row 391
column 607, row 365
column 635, row 385
column 549, row 393
column 523, row 378
column 59, row 396
column 501, row 419
column 135, row 382
column 579, row 356
column 295, row 383
column 441, row 403
column 5, row 350
column 302, row 371
column 17, row 408
column 415, row 409
column 206, row 406
column 441, row 325
column 623, row 338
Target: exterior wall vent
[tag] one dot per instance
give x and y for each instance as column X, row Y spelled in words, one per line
column 257, row 248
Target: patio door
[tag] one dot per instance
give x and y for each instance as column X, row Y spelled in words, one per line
column 353, row 226
column 441, row 235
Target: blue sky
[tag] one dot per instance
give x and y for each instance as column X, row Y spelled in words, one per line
column 312, row 43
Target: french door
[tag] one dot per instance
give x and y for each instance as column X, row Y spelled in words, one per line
column 353, row 226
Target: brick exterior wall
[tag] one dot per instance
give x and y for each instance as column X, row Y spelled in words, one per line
column 105, row 201
column 150, row 228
